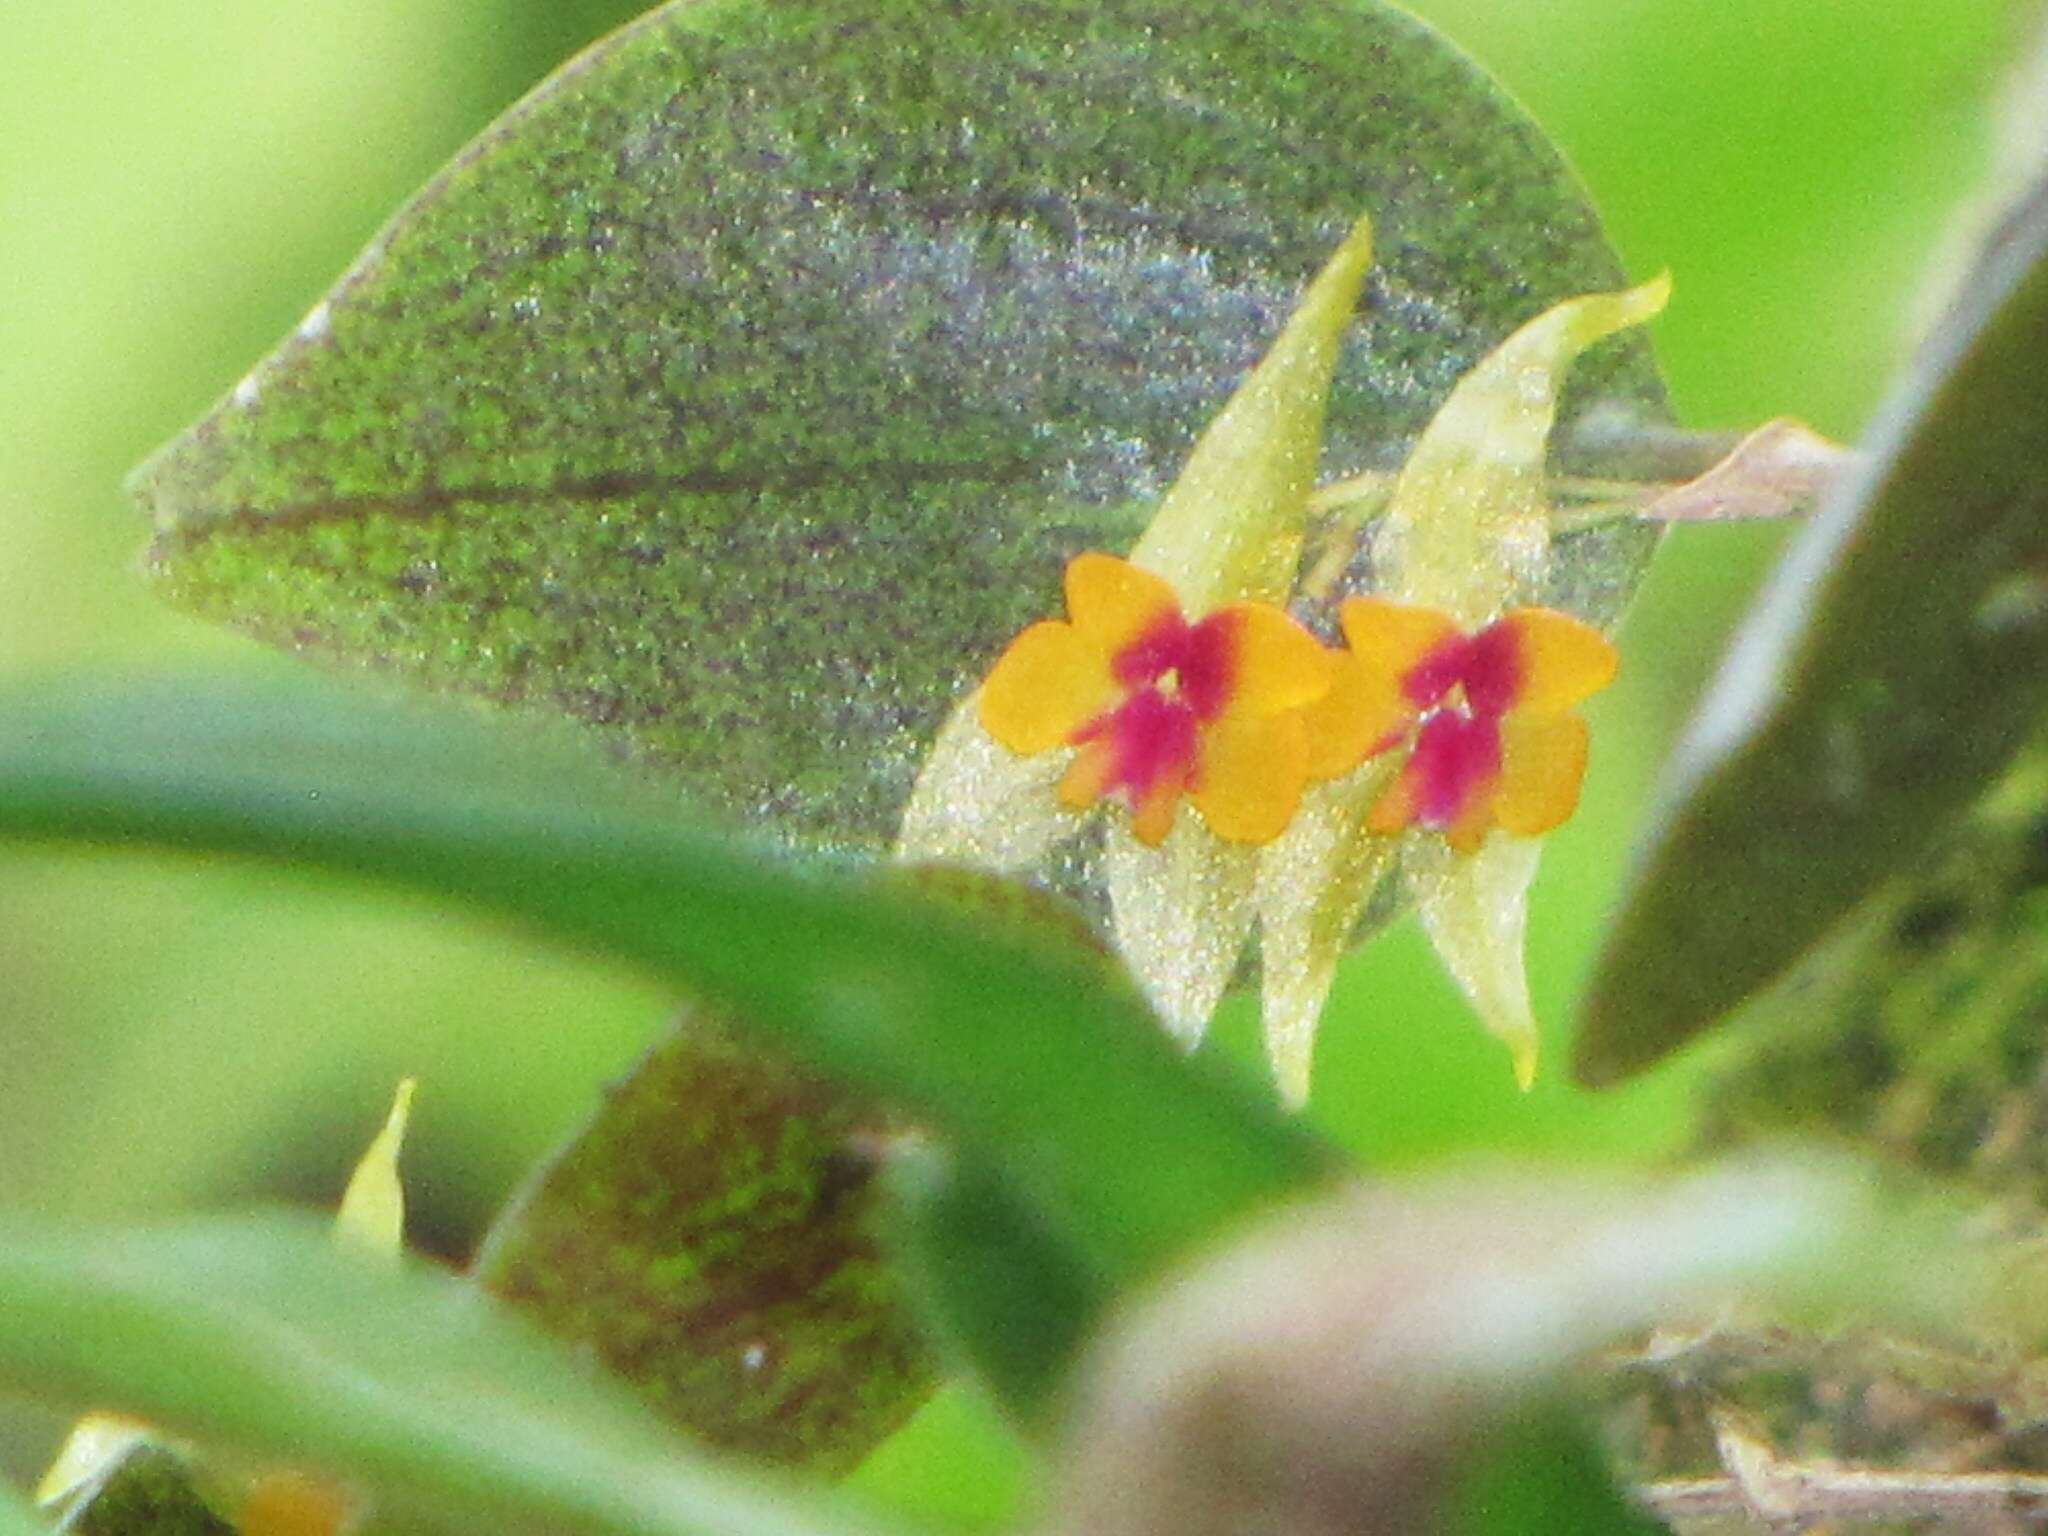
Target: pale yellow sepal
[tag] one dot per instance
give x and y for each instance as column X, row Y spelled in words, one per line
column 372, row 1215
column 98, row 1443
column 1467, row 527
column 979, row 804
column 1180, row 913
column 1229, row 530
column 1232, row 526
column 1473, row 907
column 1315, row 882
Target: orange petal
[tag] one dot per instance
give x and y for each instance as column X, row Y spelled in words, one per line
column 294, row 1504
column 1279, row 665
column 1152, row 817
column 1251, row 778
column 1047, row 685
column 1391, row 638
column 1543, row 758
column 1083, row 782
column 1470, row 829
column 1394, row 811
column 1111, row 602
column 1561, row 659
column 1347, row 724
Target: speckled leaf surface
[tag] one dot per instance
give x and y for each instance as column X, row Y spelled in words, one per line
column 708, row 1235
column 744, row 389
column 1895, row 666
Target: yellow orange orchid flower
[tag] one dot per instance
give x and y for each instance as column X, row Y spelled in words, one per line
column 1486, row 716
column 1479, row 691
column 1174, row 675
column 1157, row 707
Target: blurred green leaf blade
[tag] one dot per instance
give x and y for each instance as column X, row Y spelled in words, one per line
column 1015, row 1298
column 991, row 1033
column 707, row 1234
column 16, row 1519
column 1896, row 665
column 1538, row 1471
column 744, row 390
column 258, row 1335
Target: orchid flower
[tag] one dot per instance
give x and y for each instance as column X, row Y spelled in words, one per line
column 1437, row 746
column 1471, row 692
column 1076, row 712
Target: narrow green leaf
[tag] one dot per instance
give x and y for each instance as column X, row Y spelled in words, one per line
column 1892, row 669
column 745, row 388
column 707, row 1234
column 1012, row 1296
column 257, row 1335
column 1000, row 1037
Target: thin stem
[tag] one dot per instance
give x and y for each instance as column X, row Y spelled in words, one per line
column 1791, row 1496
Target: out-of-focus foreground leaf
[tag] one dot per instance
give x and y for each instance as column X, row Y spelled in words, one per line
column 1541, row 1473
column 258, row 1336
column 747, row 386
column 1347, row 1368
column 1892, row 669
column 986, row 1032
column 15, row 1518
column 708, row 1234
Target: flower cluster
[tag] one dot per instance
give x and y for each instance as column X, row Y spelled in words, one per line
column 1433, row 747
column 1240, row 710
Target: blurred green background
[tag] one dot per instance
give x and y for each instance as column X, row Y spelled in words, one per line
column 180, row 180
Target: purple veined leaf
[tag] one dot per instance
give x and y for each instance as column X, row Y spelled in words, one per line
column 744, row 389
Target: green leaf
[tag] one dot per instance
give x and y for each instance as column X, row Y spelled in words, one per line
column 1913, row 1034
column 257, row 1335
column 1015, row 1298
column 1892, row 669
column 1539, row 1471
column 707, row 1235
column 745, row 388
column 15, row 1518
column 992, row 1033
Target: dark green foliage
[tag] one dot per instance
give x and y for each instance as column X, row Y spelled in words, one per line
column 1892, row 671
column 150, row 1493
column 1917, row 1035
column 1540, row 1468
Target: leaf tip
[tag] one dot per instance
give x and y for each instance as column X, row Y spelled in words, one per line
column 372, row 1215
